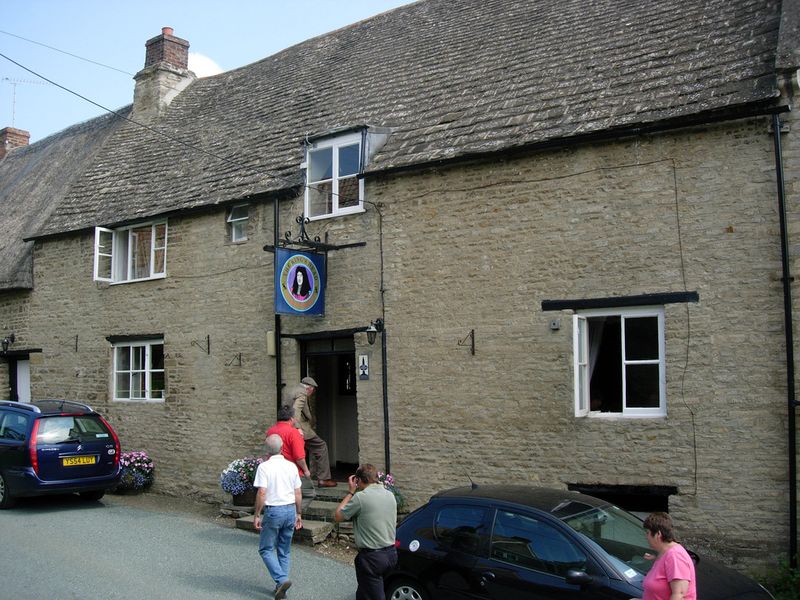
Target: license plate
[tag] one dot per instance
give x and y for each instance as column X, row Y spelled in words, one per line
column 72, row 461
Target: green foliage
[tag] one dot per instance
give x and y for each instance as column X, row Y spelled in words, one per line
column 783, row 582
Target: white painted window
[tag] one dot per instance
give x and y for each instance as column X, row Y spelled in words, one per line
column 139, row 371
column 332, row 167
column 238, row 217
column 619, row 362
column 130, row 253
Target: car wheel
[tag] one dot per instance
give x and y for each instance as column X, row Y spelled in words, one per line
column 405, row 589
column 94, row 495
column 6, row 501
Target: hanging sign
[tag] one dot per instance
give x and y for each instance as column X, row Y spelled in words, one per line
column 299, row 283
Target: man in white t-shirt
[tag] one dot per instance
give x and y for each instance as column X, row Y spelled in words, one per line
column 280, row 498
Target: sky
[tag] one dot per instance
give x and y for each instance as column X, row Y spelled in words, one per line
column 94, row 47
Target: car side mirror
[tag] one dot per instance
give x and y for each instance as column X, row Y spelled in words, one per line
column 576, row 577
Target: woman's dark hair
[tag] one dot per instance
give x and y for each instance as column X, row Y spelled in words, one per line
column 660, row 522
column 304, row 288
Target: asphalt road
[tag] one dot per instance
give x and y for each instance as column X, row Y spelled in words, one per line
column 65, row 548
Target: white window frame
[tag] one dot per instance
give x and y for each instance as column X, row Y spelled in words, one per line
column 145, row 371
column 335, row 143
column 114, row 249
column 238, row 225
column 581, row 357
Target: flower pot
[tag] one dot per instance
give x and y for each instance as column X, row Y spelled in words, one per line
column 247, row 498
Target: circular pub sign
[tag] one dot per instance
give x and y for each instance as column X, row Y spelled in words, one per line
column 300, row 283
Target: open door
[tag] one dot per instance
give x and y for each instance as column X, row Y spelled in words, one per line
column 331, row 362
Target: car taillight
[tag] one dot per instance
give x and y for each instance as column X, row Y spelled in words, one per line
column 116, row 441
column 32, row 447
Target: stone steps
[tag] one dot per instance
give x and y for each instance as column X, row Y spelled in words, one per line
column 318, row 520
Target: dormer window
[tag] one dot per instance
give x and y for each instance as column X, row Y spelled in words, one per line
column 333, row 187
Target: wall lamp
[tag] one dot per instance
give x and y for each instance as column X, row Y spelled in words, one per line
column 7, row 341
column 374, row 328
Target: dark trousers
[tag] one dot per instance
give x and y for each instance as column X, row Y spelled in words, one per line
column 371, row 566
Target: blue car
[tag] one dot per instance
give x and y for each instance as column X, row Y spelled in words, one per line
column 509, row 542
column 55, row 447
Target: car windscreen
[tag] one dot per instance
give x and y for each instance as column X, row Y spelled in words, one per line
column 616, row 532
column 72, row 428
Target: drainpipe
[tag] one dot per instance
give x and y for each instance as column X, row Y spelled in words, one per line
column 386, row 444
column 278, row 360
column 787, row 316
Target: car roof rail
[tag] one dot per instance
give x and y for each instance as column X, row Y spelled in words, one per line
column 22, row 405
column 62, row 405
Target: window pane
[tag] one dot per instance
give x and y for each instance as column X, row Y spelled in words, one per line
column 161, row 235
column 157, row 356
column 137, row 385
column 239, row 212
column 123, row 358
column 104, row 266
column 462, row 528
column 160, row 264
column 137, row 358
column 320, row 164
column 524, row 541
column 319, row 199
column 641, row 386
column 123, row 390
column 349, row 159
column 605, row 364
column 641, row 338
column 140, row 251
column 157, row 385
column 239, row 231
column 348, row 192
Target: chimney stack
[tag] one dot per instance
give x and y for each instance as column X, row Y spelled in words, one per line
column 11, row 138
column 165, row 74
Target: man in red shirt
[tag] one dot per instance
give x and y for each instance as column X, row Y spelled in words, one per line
column 294, row 450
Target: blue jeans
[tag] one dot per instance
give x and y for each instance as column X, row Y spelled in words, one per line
column 275, row 543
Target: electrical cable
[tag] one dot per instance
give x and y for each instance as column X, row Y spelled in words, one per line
column 19, row 37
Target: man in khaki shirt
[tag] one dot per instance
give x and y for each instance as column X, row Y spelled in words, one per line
column 373, row 510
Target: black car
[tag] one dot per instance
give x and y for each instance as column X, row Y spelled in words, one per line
column 55, row 447
column 508, row 542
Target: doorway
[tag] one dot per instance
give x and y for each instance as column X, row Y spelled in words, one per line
column 331, row 362
column 19, row 377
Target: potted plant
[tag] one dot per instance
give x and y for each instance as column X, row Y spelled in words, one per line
column 387, row 479
column 237, row 480
column 136, row 471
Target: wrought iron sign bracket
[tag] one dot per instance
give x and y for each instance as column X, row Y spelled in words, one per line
column 303, row 240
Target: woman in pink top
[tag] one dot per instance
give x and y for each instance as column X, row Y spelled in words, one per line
column 672, row 575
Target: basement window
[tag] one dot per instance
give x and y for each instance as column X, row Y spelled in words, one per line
column 131, row 253
column 619, row 362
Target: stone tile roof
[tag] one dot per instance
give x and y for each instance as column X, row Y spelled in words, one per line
column 32, row 181
column 451, row 79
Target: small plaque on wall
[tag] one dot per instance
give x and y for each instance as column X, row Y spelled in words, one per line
column 363, row 366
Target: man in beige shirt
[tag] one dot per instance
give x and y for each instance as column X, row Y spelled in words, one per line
column 316, row 448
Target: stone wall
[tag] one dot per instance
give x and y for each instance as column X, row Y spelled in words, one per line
column 480, row 247
column 477, row 246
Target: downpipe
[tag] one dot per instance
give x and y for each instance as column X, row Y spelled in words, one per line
column 788, row 326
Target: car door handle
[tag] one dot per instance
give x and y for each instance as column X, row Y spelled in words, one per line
column 486, row 576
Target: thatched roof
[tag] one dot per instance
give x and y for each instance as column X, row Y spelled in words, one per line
column 32, row 181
